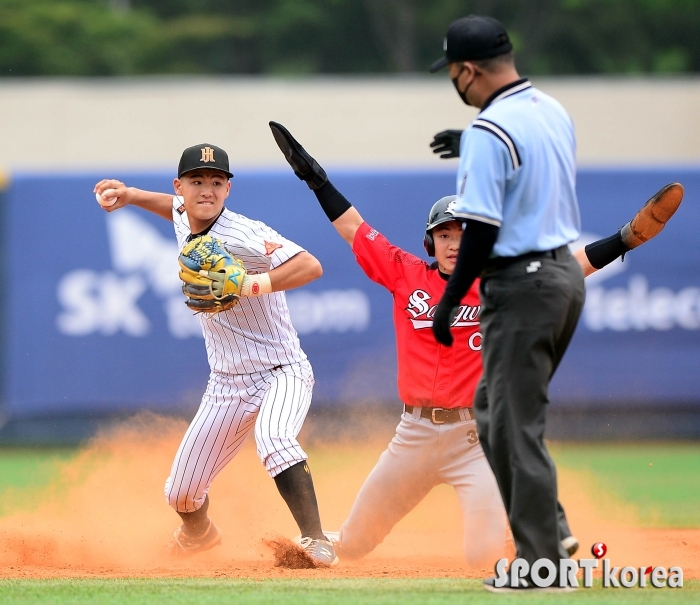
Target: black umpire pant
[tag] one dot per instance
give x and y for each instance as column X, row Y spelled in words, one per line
column 530, row 308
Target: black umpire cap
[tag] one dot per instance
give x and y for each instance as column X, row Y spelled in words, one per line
column 473, row 38
column 203, row 156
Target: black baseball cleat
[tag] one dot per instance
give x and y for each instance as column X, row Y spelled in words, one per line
column 304, row 166
column 321, row 551
column 523, row 587
column 653, row 216
column 570, row 545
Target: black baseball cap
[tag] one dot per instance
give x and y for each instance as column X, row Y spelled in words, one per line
column 473, row 38
column 203, row 156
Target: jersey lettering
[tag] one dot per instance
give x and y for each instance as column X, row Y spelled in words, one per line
column 416, row 303
column 423, row 313
column 473, row 341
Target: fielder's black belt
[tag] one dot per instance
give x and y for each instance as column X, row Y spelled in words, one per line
column 499, row 262
column 441, row 415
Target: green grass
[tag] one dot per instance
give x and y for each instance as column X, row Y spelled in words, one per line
column 310, row 592
column 28, row 470
column 25, row 467
column 661, row 479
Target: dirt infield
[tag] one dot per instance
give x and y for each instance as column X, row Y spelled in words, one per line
column 106, row 516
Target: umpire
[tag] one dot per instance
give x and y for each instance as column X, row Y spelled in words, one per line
column 516, row 194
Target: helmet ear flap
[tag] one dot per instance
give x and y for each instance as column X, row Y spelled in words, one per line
column 429, row 243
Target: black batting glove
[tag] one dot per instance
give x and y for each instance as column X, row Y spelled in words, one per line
column 446, row 144
column 442, row 320
column 304, row 166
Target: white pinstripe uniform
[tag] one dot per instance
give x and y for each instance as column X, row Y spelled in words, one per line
column 260, row 377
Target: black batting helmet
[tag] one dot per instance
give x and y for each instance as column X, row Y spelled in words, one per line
column 441, row 212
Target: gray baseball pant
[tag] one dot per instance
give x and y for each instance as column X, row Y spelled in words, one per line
column 530, row 309
column 420, row 456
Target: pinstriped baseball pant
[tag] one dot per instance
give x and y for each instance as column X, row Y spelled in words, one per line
column 274, row 403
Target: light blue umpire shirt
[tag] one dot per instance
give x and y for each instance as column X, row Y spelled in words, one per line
column 517, row 170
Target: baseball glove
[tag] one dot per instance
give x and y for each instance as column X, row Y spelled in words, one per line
column 305, row 167
column 212, row 278
column 653, row 216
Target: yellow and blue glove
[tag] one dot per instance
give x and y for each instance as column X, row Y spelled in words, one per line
column 212, row 277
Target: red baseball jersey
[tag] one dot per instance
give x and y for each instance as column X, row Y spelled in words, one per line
column 430, row 374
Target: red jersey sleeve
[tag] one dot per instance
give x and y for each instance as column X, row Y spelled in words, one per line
column 381, row 262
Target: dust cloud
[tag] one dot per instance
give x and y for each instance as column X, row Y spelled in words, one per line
column 105, row 514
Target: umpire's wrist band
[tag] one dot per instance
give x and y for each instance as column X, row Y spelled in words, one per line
column 332, row 201
column 256, row 285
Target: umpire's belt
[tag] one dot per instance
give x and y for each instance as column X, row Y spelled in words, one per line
column 559, row 254
column 442, row 415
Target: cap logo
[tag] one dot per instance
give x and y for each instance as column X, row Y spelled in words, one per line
column 451, row 207
column 207, row 155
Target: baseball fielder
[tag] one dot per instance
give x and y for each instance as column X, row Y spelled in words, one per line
column 436, row 440
column 261, row 380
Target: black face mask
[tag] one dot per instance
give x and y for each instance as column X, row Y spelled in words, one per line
column 462, row 95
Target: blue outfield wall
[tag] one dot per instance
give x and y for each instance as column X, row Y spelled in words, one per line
column 93, row 318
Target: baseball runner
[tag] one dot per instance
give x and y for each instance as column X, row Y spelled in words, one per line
column 516, row 196
column 235, row 271
column 436, row 440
